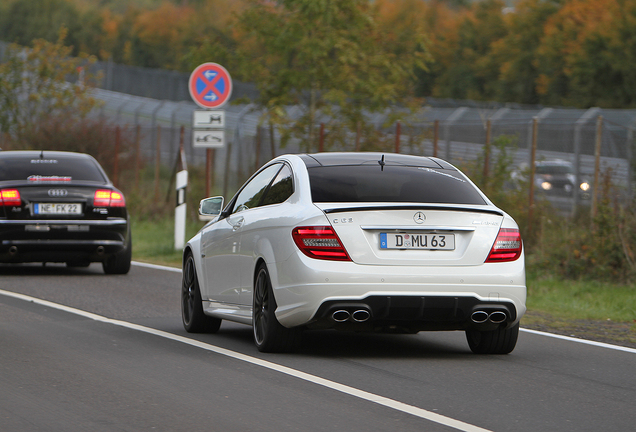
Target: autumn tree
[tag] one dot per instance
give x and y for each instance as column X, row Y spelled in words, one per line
column 158, row 40
column 513, row 57
column 212, row 40
column 26, row 20
column 588, row 54
column 33, row 87
column 461, row 48
column 327, row 57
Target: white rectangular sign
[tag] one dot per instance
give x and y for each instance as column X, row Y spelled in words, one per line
column 208, row 138
column 208, row 119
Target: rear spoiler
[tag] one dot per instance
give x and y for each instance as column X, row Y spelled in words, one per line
column 327, row 208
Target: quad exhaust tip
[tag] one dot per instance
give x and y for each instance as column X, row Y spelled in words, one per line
column 359, row 316
column 495, row 317
column 341, row 316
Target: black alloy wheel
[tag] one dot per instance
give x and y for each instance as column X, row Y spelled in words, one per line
column 269, row 334
column 192, row 315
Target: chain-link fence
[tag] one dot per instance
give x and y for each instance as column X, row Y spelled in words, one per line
column 455, row 134
column 158, row 104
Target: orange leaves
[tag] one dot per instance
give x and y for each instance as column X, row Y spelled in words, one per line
column 164, row 24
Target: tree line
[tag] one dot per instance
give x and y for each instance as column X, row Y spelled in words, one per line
column 577, row 53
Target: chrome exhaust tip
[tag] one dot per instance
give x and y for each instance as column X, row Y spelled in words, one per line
column 340, row 316
column 361, row 315
column 479, row 317
column 497, row 317
column 13, row 250
column 100, row 250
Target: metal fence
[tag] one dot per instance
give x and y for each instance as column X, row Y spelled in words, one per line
column 567, row 134
column 159, row 103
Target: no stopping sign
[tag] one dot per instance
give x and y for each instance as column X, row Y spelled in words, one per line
column 210, row 85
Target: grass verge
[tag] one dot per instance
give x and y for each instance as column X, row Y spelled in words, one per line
column 154, row 241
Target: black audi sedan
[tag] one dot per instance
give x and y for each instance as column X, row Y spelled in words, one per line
column 61, row 207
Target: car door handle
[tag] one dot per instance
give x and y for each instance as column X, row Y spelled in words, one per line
column 239, row 223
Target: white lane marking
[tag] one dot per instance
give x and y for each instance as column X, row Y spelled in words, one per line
column 156, row 267
column 351, row 391
column 552, row 335
column 583, row 341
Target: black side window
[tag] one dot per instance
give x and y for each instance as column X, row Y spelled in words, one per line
column 251, row 195
column 281, row 188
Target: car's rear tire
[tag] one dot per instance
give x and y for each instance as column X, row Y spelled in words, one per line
column 119, row 263
column 269, row 334
column 500, row 341
column 192, row 315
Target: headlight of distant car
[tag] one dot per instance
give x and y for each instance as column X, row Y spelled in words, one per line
column 546, row 185
column 585, row 186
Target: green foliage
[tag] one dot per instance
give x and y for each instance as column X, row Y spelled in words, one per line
column 360, row 54
column 514, row 56
column 326, row 56
column 601, row 248
column 511, row 195
column 33, row 87
column 26, row 20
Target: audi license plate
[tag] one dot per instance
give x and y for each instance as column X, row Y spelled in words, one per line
column 57, row 209
column 426, row 241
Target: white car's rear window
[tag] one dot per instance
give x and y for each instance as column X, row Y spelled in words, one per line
column 368, row 183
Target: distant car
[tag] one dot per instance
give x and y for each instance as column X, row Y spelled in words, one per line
column 61, row 207
column 356, row 241
column 557, row 178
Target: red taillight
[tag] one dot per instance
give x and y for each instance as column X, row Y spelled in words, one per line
column 117, row 199
column 507, row 246
column 107, row 198
column 10, row 197
column 320, row 242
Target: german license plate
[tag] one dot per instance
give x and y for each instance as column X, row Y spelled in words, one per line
column 426, row 241
column 57, row 209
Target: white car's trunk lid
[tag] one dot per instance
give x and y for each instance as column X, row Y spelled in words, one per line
column 415, row 234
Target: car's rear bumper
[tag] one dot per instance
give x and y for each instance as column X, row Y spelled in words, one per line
column 61, row 240
column 309, row 291
column 409, row 313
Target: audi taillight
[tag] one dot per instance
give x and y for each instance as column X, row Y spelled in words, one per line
column 10, row 197
column 507, row 246
column 108, row 198
column 320, row 242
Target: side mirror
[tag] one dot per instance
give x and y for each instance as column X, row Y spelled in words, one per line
column 210, row 208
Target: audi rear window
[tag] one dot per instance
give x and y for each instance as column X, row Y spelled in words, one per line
column 49, row 169
column 394, row 183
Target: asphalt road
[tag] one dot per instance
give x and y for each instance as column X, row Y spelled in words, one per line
column 132, row 367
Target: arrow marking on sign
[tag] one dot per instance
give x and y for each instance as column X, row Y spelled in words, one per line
column 209, row 85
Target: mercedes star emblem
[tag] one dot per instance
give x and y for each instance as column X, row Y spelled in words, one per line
column 419, row 217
